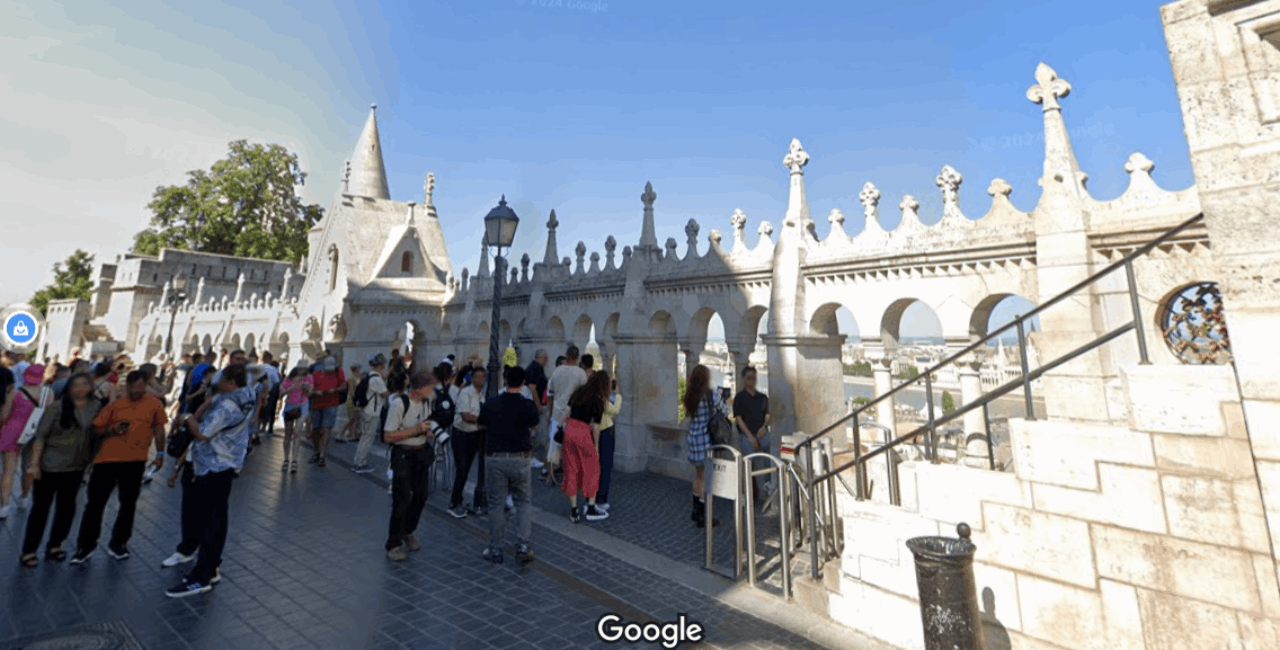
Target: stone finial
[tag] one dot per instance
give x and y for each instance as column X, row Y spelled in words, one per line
column 949, row 181
column 1000, row 187
column 429, row 187
column 796, row 157
column 649, row 196
column 595, row 262
column 552, row 254
column 610, row 245
column 671, row 248
column 346, row 177
column 836, row 219
column 648, row 233
column 581, row 251
column 1138, row 163
column 466, row 275
column 565, row 262
column 691, row 233
column 484, row 257
column 524, row 267
column 739, row 223
column 715, row 237
column 626, row 255
column 909, row 206
column 870, row 198
column 1048, row 88
column 515, row 276
column 765, row 230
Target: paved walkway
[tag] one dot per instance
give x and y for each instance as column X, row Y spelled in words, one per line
column 304, row 568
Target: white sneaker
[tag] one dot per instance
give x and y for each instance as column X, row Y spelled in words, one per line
column 5, row 511
column 390, row 475
column 510, row 502
column 176, row 559
column 603, row 507
column 537, row 464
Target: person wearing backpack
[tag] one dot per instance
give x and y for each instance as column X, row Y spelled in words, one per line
column 398, row 397
column 411, row 434
column 370, row 396
column 327, row 398
column 18, row 408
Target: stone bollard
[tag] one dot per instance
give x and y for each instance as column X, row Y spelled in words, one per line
column 948, row 592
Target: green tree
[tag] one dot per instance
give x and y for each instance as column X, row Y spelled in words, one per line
column 948, row 403
column 71, row 279
column 680, row 414
column 858, row 369
column 509, row 358
column 245, row 204
column 859, row 402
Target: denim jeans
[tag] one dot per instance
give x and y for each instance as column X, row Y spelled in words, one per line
column 508, row 476
column 766, row 446
column 190, row 511
column 409, row 468
column 607, row 441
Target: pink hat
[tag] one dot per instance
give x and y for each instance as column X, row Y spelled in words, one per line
column 34, row 374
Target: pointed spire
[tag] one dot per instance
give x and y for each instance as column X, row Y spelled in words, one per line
column 484, row 257
column 648, row 235
column 428, row 190
column 1060, row 164
column 797, row 203
column 368, row 175
column 552, row 257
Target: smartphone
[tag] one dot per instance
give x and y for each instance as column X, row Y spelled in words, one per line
column 724, row 393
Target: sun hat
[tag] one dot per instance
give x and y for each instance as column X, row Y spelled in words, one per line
column 377, row 360
column 33, row 375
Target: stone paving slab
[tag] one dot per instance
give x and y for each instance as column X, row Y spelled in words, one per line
column 304, row 568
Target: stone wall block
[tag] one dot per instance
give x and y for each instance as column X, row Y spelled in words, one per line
column 953, row 493
column 1264, row 417
column 1130, row 497
column 1122, row 615
column 1264, row 569
column 1173, row 623
column 896, row 577
column 1036, row 543
column 1258, row 633
column 1206, row 510
column 1066, row 453
column 1225, row 458
column 878, row 613
column 1269, row 479
column 998, row 593
column 1061, row 614
column 1180, row 399
column 1189, row 569
column 1253, row 519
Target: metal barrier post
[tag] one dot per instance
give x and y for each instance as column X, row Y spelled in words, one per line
column 777, row 467
column 724, row 480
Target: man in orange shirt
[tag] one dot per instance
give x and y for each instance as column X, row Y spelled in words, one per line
column 129, row 424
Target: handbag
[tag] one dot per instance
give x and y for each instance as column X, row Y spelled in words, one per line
column 719, row 429
column 33, row 422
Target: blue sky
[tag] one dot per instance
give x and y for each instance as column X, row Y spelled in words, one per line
column 567, row 107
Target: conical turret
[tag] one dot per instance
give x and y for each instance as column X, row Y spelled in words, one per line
column 367, row 175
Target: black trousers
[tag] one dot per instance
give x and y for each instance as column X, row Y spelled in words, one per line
column 52, row 486
column 409, row 472
column 607, row 443
column 213, row 492
column 190, row 511
column 103, row 480
column 467, row 447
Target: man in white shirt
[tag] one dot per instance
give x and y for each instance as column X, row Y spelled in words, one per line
column 410, row 432
column 376, row 394
column 566, row 379
column 468, row 446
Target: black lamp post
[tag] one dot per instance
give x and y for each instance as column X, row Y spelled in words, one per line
column 499, row 231
column 178, row 295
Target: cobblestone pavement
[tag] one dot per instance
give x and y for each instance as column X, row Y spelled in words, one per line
column 304, row 568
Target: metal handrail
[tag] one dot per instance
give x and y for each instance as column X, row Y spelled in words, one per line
column 982, row 402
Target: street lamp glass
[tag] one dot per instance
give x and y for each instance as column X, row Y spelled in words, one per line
column 500, row 225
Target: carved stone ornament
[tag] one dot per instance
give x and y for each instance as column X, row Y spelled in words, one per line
column 796, row 157
column 691, row 231
column 649, row 195
column 312, row 329
column 524, row 267
column 429, row 187
column 610, row 245
column 1138, row 162
column 1000, row 187
column 765, row 230
column 949, row 181
column 1048, row 88
column 870, row 198
column 595, row 262
column 909, row 205
column 836, row 218
column 336, row 328
column 671, row 247
column 715, row 237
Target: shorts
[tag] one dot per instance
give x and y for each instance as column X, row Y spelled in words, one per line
column 325, row 418
column 295, row 411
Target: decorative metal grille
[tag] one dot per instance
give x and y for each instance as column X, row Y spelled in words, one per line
column 1195, row 327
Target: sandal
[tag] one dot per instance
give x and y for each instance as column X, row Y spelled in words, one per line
column 55, row 554
column 30, row 560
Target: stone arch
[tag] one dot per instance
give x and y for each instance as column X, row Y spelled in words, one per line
column 825, row 323
column 555, row 329
column 980, row 320
column 891, row 321
column 206, row 344
column 232, row 343
column 249, row 341
column 504, row 334
column 582, row 331
column 280, row 345
column 662, row 325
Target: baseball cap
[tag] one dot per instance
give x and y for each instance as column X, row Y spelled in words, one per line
column 377, row 360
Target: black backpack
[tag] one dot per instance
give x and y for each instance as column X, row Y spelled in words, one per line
column 443, row 409
column 361, row 398
column 382, row 417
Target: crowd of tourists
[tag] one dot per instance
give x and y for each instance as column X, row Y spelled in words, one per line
column 95, row 421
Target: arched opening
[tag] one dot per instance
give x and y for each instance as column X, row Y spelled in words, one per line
column 249, row 341
column 206, row 345
column 582, row 331
column 1193, row 325
column 912, row 340
column 555, row 331
column 508, row 345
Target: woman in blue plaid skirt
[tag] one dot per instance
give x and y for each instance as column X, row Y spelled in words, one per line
column 698, row 404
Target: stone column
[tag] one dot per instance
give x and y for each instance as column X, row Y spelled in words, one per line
column 813, row 405
column 880, row 372
column 647, row 381
column 970, row 390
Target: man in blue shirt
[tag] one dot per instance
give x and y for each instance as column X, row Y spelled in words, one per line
column 217, row 454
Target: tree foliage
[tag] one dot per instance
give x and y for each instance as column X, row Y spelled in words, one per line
column 948, row 403
column 680, row 414
column 72, row 278
column 245, row 204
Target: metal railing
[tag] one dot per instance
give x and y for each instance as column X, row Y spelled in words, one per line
column 825, row 480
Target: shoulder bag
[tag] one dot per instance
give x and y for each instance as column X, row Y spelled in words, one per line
column 719, row 429
column 33, row 422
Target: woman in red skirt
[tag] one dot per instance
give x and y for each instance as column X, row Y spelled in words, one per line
column 581, row 453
